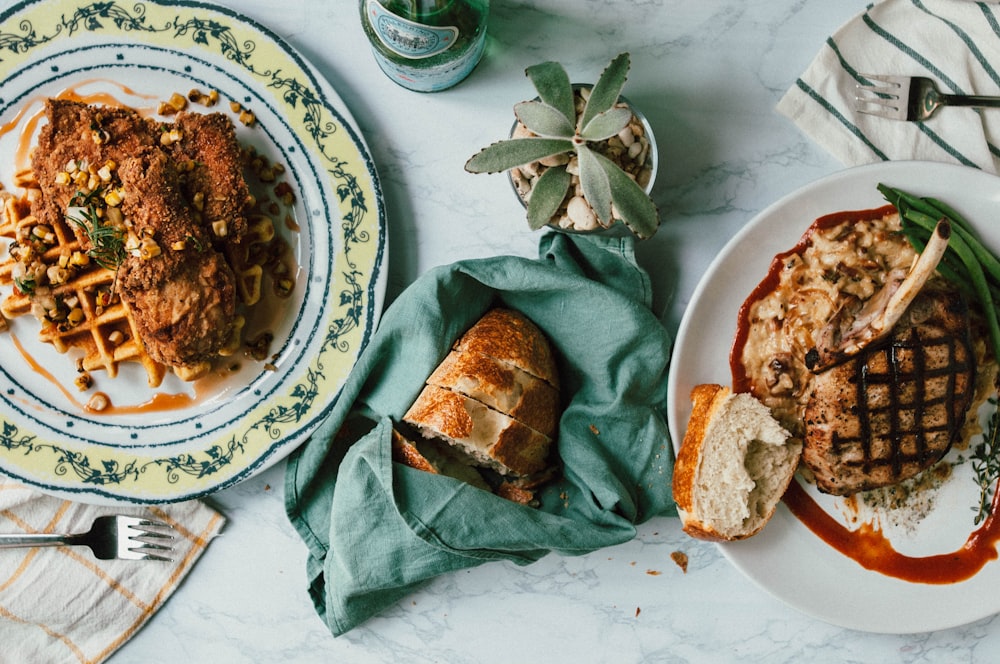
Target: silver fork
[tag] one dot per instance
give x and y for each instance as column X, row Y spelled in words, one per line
column 909, row 97
column 126, row 537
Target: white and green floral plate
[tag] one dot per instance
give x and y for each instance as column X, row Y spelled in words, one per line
column 183, row 440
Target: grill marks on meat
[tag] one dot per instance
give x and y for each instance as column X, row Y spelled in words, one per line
column 183, row 301
column 896, row 408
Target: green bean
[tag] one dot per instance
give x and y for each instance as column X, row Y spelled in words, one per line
column 977, row 278
column 989, row 262
column 955, row 217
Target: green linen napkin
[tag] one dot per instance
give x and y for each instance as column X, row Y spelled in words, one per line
column 376, row 530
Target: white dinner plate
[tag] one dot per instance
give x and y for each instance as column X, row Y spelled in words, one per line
column 182, row 440
column 786, row 558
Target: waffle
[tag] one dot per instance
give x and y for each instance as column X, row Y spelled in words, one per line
column 105, row 337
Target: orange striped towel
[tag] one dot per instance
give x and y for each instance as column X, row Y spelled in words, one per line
column 61, row 604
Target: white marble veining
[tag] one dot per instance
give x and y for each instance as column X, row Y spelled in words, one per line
column 707, row 74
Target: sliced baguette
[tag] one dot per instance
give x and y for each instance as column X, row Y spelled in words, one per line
column 433, row 457
column 734, row 464
column 501, row 386
column 510, row 337
column 489, row 437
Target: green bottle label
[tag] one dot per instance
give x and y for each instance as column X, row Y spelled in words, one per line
column 408, row 38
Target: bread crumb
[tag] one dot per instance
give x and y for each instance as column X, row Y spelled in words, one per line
column 653, row 572
column 638, row 610
column 680, row 559
column 594, row 430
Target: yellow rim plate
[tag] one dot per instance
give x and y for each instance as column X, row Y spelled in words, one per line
column 236, row 426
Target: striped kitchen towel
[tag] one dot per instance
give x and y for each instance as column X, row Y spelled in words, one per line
column 954, row 42
column 61, row 604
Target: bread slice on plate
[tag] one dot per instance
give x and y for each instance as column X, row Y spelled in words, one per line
column 733, row 467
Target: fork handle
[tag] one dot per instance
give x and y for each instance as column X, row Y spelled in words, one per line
column 35, row 539
column 971, row 100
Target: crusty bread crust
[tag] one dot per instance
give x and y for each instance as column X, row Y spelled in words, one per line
column 488, row 436
column 502, row 387
column 705, row 400
column 510, row 337
column 405, row 452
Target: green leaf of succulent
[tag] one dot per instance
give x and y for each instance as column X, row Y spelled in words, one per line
column 633, row 205
column 547, row 195
column 505, row 155
column 553, row 86
column 595, row 183
column 544, row 120
column 608, row 88
column 606, row 124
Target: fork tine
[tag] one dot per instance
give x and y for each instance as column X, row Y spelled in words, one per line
column 881, row 81
column 144, row 554
column 139, row 541
column 881, row 96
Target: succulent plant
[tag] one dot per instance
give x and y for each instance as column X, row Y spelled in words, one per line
column 558, row 129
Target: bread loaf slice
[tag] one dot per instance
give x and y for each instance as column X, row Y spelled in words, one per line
column 734, row 464
column 489, row 437
column 432, row 457
column 501, row 386
column 511, row 338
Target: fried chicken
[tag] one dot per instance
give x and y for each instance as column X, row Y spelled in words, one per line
column 76, row 135
column 183, row 299
column 182, row 201
column 210, row 151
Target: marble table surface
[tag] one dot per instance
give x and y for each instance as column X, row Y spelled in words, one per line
column 707, row 75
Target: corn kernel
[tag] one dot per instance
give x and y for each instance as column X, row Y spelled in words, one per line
column 63, row 178
column 104, row 173
column 80, row 259
column 177, row 101
column 83, row 382
column 247, row 118
column 72, row 165
column 170, row 137
column 116, row 337
column 99, row 402
column 220, row 228
column 75, row 316
column 116, row 217
column 235, row 106
column 113, row 198
column 179, row 245
column 149, row 249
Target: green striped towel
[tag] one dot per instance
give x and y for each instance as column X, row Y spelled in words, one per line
column 954, row 42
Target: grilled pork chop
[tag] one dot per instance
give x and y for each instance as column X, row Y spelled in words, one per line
column 895, row 408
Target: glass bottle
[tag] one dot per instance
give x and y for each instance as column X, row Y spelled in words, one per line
column 426, row 45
